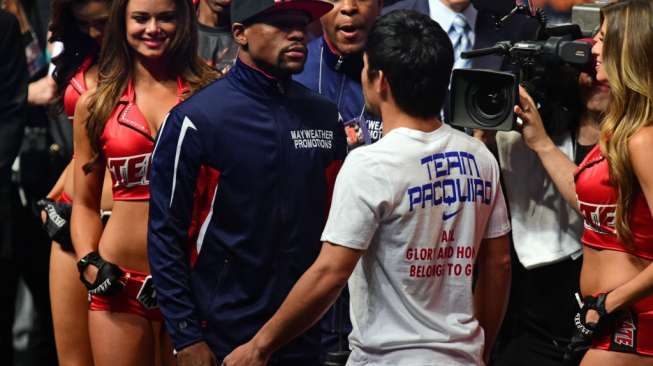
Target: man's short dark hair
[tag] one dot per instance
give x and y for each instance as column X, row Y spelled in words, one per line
column 416, row 56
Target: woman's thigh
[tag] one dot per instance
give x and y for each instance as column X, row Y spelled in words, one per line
column 122, row 339
column 598, row 357
column 69, row 301
column 165, row 356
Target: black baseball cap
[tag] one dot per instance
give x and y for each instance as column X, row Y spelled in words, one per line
column 244, row 10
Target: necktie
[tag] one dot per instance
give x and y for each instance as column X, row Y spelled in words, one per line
column 459, row 34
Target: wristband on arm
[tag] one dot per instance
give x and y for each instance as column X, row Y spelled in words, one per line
column 584, row 331
column 57, row 222
column 107, row 281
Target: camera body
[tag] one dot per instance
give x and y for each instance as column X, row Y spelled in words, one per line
column 547, row 67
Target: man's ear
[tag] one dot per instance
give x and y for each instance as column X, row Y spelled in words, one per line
column 238, row 32
column 382, row 85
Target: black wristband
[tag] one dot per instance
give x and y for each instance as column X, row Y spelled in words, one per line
column 599, row 304
column 91, row 258
column 107, row 280
column 57, row 222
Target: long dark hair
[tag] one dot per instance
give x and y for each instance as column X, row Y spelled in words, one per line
column 77, row 45
column 116, row 60
column 627, row 58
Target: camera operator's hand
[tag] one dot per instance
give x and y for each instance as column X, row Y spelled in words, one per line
column 532, row 129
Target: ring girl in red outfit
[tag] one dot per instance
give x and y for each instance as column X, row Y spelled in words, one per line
column 614, row 193
column 147, row 65
column 79, row 25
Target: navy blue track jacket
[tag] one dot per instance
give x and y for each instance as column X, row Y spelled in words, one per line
column 240, row 186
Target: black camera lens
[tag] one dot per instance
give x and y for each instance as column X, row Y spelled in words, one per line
column 487, row 104
column 483, row 99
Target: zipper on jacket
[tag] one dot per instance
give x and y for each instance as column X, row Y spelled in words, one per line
column 280, row 115
column 280, row 88
column 339, row 63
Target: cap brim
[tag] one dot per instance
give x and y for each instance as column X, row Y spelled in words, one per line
column 314, row 8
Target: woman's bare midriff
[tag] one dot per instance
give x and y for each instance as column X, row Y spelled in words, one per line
column 124, row 239
column 604, row 270
column 106, row 203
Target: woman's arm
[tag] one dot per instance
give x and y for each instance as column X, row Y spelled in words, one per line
column 640, row 157
column 86, row 226
column 557, row 165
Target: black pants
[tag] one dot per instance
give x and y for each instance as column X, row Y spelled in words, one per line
column 27, row 258
column 529, row 349
column 278, row 362
column 539, row 321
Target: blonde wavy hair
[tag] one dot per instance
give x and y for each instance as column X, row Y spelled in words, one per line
column 627, row 61
column 117, row 59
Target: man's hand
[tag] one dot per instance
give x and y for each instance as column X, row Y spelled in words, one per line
column 532, row 130
column 42, row 91
column 246, row 355
column 198, row 354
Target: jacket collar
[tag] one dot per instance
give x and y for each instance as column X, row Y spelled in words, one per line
column 257, row 80
column 351, row 65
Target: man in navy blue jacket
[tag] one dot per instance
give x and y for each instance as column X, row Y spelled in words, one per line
column 334, row 65
column 264, row 151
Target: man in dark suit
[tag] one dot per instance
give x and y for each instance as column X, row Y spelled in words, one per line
column 13, row 100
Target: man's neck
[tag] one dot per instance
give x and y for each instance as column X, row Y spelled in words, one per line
column 458, row 8
column 209, row 18
column 350, row 64
column 393, row 117
column 589, row 128
column 330, row 45
column 267, row 71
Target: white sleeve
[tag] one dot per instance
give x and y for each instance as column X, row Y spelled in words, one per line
column 57, row 48
column 361, row 197
column 499, row 223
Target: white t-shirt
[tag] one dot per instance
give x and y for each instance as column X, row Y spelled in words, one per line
column 419, row 204
column 545, row 228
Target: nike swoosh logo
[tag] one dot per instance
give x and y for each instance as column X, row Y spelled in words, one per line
column 446, row 216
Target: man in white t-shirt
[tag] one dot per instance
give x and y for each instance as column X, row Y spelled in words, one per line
column 411, row 216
